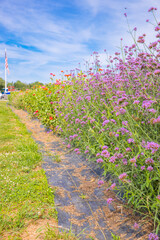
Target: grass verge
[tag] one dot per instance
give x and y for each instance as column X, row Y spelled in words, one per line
column 25, row 196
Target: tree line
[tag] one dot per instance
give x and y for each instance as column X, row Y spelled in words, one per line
column 18, row 85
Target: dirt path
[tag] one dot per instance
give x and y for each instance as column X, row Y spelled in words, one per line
column 80, row 202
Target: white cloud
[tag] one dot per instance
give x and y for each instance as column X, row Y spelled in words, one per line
column 40, row 41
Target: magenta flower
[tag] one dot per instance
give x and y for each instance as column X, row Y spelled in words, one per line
column 99, row 160
column 153, row 236
column 112, row 159
column 104, row 147
column 136, row 102
column 100, row 182
column 157, row 72
column 86, row 151
column 105, row 122
column 128, row 149
column 124, row 161
column 158, row 197
column 150, row 168
column 112, row 186
column 151, row 9
column 130, row 140
column 142, row 168
column 136, row 226
column 105, row 153
column 149, row 160
column 122, row 176
column 152, row 146
column 133, row 160
column 76, row 149
column 109, row 200
column 116, row 148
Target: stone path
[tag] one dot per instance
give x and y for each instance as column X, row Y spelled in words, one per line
column 80, row 202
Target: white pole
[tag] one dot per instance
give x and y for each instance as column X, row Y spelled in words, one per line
column 5, row 73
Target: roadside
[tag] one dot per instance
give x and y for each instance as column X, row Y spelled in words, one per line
column 27, row 208
column 80, row 202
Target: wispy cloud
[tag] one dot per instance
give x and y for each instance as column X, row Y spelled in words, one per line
column 48, row 36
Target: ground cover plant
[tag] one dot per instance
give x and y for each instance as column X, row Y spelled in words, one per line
column 25, row 194
column 112, row 115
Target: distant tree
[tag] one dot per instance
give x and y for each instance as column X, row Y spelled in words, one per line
column 2, row 83
column 20, row 85
column 10, row 84
column 30, row 85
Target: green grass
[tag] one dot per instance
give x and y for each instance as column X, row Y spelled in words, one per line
column 51, row 234
column 24, row 192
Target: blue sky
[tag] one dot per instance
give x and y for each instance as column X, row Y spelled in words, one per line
column 44, row 36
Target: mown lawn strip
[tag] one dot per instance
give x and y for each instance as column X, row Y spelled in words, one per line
column 25, row 196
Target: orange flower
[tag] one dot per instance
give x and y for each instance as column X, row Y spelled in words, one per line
column 67, row 75
column 51, row 118
column 62, row 71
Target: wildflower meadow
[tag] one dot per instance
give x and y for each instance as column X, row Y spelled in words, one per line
column 112, row 116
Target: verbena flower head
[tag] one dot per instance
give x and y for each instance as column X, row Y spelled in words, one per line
column 109, row 200
column 99, row 160
column 100, row 182
column 136, row 226
column 105, row 153
column 153, row 236
column 152, row 146
column 113, row 186
column 149, row 168
column 122, row 176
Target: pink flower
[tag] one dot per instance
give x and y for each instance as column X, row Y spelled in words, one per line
column 152, row 146
column 112, row 159
column 136, row 226
column 122, row 176
column 158, row 197
column 156, row 72
column 86, row 151
column 105, row 122
column 133, row 160
column 100, row 182
column 128, row 149
column 116, row 148
column 104, row 147
column 99, row 160
column 112, row 186
column 136, row 102
column 130, row 140
column 142, row 168
column 149, row 160
column 109, row 200
column 153, row 236
column 150, row 168
column 105, row 153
